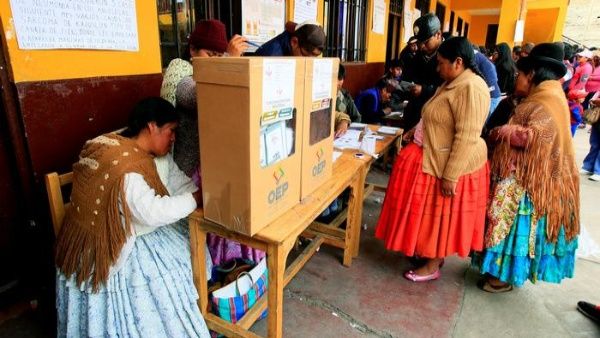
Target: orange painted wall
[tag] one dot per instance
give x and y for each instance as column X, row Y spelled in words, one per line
column 540, row 25
column 479, row 26
column 376, row 43
column 41, row 65
column 475, row 4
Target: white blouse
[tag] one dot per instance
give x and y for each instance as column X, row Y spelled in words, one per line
column 150, row 211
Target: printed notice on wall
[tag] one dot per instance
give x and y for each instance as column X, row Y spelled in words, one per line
column 305, row 10
column 322, row 73
column 279, row 78
column 262, row 20
column 378, row 16
column 81, row 24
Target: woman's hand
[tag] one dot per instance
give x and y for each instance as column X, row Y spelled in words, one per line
column 341, row 128
column 237, row 45
column 448, row 188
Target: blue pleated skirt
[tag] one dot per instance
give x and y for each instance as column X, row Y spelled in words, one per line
column 510, row 262
column 152, row 295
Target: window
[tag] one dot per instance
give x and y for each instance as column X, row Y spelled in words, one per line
column 459, row 26
column 466, row 31
column 344, row 25
column 393, row 35
column 177, row 19
column 451, row 29
column 423, row 6
column 440, row 12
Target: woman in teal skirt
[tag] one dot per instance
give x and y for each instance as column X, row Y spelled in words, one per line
column 533, row 216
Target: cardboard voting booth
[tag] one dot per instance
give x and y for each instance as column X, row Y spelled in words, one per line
column 250, row 125
column 320, row 93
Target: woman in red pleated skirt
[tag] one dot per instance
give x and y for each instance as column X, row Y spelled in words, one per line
column 435, row 203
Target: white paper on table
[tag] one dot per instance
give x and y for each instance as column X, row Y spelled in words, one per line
column 342, row 143
column 336, row 155
column 368, row 145
column 388, row 130
column 396, row 113
column 278, row 87
column 322, row 74
column 357, row 125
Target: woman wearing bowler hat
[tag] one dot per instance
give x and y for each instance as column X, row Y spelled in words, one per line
column 533, row 216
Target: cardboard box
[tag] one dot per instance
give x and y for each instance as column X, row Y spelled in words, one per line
column 249, row 118
column 320, row 93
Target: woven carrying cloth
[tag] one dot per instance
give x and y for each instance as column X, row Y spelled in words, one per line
column 98, row 222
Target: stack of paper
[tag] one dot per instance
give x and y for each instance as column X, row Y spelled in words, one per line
column 350, row 140
column 388, row 130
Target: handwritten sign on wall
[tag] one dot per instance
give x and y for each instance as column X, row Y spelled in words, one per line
column 81, row 24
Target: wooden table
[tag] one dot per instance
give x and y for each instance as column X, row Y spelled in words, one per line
column 331, row 232
column 278, row 238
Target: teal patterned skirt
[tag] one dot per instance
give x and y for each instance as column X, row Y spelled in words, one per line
column 509, row 260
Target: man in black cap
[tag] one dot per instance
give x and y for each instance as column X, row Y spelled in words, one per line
column 427, row 30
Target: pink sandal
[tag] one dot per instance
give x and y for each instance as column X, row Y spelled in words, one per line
column 412, row 276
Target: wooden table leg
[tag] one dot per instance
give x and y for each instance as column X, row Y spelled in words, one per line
column 355, row 209
column 198, row 248
column 276, row 263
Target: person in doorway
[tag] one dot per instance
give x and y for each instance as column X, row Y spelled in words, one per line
column 123, row 252
column 304, row 39
column 427, row 30
column 533, row 215
column 435, row 202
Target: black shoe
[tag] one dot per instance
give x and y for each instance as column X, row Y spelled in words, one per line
column 589, row 310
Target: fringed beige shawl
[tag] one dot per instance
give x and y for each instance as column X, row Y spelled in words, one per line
column 95, row 230
column 545, row 166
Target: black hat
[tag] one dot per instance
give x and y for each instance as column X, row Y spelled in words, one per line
column 547, row 54
column 426, row 26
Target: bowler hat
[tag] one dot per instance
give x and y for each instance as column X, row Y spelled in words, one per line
column 210, row 35
column 426, row 26
column 546, row 54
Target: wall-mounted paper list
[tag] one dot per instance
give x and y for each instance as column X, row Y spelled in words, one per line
column 81, row 24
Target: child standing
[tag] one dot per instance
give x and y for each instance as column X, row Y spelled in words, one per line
column 575, row 98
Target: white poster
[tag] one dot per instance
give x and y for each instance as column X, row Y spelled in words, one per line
column 262, row 20
column 407, row 21
column 81, row 24
column 279, row 77
column 322, row 74
column 378, row 16
column 305, row 10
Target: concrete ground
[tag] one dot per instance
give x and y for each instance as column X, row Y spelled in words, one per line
column 371, row 298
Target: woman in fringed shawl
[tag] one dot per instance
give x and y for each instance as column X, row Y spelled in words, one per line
column 123, row 252
column 533, row 216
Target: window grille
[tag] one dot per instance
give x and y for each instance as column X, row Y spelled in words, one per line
column 345, row 27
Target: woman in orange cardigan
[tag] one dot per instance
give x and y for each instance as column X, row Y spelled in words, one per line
column 436, row 199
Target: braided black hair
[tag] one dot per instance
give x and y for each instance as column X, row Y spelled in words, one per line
column 460, row 47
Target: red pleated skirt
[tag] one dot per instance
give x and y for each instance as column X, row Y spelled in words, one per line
column 417, row 220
